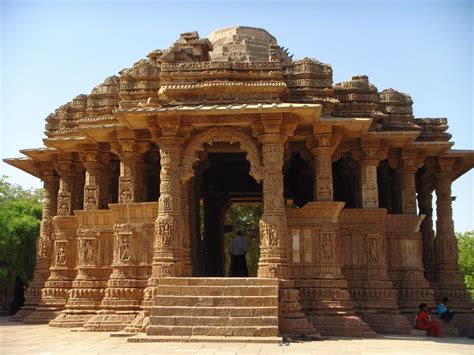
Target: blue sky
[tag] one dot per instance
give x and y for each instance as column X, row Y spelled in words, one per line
column 52, row 51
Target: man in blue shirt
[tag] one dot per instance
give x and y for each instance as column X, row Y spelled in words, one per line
column 443, row 312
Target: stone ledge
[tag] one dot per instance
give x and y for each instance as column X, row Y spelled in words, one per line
column 202, row 339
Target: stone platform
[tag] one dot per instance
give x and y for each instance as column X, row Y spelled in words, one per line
column 19, row 338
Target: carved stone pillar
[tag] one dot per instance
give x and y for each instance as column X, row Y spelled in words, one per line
column 93, row 180
column 368, row 158
column 323, row 182
column 65, row 169
column 187, row 263
column 168, row 254
column 273, row 225
column 385, row 187
column 44, row 245
column 131, row 153
column 407, row 167
column 446, row 243
column 425, row 204
column 368, row 178
column 449, row 282
column 106, row 176
column 79, row 182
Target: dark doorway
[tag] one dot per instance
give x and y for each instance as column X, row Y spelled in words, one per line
column 224, row 183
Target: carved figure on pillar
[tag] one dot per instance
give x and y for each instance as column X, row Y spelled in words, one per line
column 65, row 169
column 92, row 162
column 131, row 153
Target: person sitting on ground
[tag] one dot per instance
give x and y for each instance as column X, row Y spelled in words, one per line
column 238, row 252
column 423, row 321
column 443, row 312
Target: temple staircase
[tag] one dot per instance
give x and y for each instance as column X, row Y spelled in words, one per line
column 224, row 307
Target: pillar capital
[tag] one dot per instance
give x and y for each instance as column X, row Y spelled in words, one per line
column 129, row 147
column 268, row 138
column 65, row 166
column 369, row 155
column 406, row 163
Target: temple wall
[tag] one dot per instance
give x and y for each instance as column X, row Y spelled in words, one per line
column 366, row 270
column 316, row 260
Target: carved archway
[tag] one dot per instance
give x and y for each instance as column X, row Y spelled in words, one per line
column 222, row 134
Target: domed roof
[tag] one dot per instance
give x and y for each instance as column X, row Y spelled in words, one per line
column 241, row 44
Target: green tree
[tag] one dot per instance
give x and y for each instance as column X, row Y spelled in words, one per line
column 20, row 216
column 246, row 219
column 466, row 258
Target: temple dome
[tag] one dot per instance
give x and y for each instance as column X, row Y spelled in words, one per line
column 241, row 44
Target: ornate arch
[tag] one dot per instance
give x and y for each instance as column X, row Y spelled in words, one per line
column 222, row 134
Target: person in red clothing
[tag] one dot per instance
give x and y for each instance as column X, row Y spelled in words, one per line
column 424, row 322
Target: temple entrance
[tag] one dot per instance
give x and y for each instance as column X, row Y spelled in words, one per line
column 228, row 199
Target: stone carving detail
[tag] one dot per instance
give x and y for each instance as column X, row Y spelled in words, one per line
column 328, row 243
column 221, row 134
column 373, row 249
column 61, row 253
column 165, row 231
column 87, row 246
column 124, row 249
column 269, row 234
column 131, row 153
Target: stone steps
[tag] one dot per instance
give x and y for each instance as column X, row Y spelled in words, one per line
column 194, row 321
column 214, row 311
column 217, row 281
column 223, row 307
column 243, row 331
column 217, row 301
column 171, row 290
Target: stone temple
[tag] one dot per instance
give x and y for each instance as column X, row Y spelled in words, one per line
column 139, row 173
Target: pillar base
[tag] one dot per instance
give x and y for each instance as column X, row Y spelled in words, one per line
column 42, row 315
column 341, row 325
column 464, row 322
column 139, row 324
column 24, row 312
column 72, row 318
column 291, row 320
column 387, row 323
column 110, row 321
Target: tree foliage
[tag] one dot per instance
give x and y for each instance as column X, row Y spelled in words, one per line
column 246, row 219
column 20, row 216
column 466, row 259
